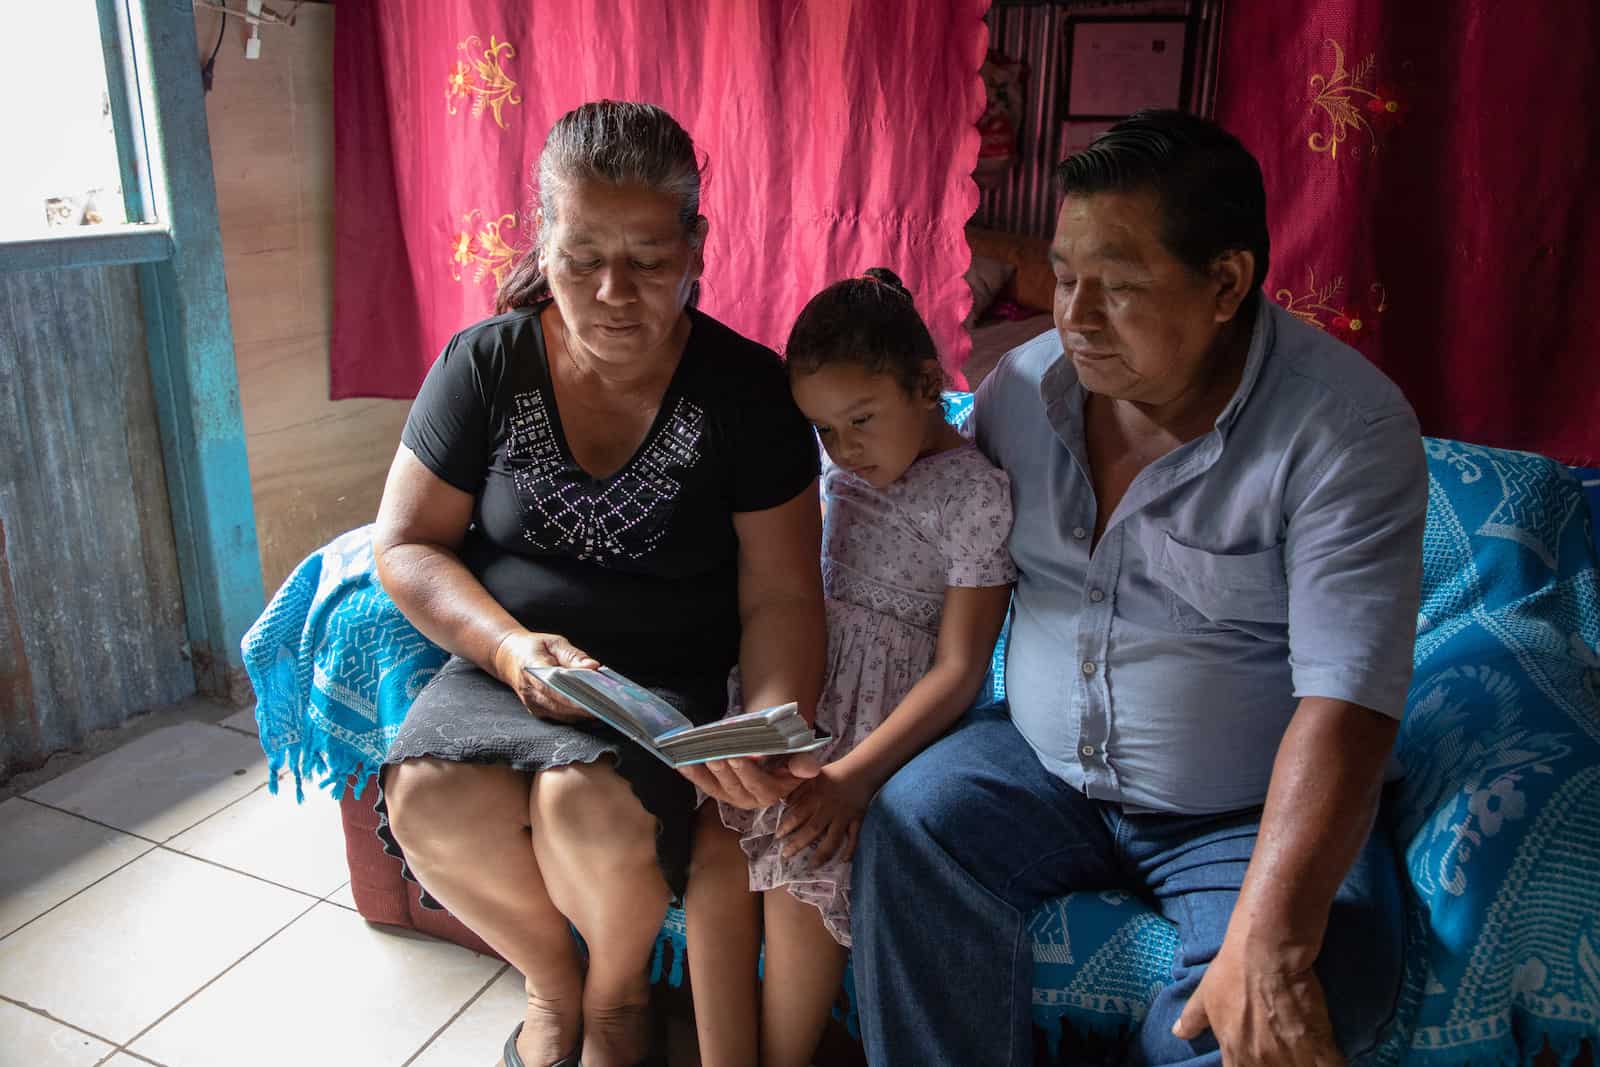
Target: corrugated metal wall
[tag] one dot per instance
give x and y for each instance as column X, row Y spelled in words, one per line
column 91, row 609
column 1026, row 202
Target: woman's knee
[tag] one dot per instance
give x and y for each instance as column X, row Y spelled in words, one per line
column 430, row 800
column 588, row 803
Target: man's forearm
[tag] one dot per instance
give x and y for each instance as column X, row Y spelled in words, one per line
column 1321, row 804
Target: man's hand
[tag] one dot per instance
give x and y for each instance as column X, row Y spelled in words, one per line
column 1260, row 997
column 527, row 649
column 826, row 811
column 1260, row 1016
column 751, row 782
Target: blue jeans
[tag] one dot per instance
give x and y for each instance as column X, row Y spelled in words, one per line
column 972, row 835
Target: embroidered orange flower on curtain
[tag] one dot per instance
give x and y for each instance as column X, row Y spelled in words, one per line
column 481, row 77
column 482, row 249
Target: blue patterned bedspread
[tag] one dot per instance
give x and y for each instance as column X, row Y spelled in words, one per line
column 1500, row 807
column 1499, row 813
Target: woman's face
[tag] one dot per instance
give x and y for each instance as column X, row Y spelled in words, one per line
column 620, row 268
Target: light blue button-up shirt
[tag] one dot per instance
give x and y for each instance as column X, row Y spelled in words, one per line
column 1279, row 556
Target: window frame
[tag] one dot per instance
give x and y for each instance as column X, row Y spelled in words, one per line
column 175, row 245
column 145, row 238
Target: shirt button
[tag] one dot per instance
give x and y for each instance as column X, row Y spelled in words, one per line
column 1088, row 667
column 1079, row 533
column 1087, row 750
column 1096, row 595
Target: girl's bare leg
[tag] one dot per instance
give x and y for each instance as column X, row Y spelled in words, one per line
column 803, row 969
column 724, row 936
column 464, row 828
column 596, row 845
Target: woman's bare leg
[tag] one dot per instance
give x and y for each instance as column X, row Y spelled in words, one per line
column 464, row 828
column 596, row 845
column 724, row 935
column 803, row 970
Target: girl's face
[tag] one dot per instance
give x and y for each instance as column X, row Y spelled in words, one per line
column 868, row 422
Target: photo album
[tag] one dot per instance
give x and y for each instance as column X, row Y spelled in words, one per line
column 663, row 730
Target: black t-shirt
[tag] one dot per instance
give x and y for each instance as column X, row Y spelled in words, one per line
column 639, row 569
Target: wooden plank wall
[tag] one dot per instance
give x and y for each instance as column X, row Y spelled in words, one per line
column 91, row 609
column 317, row 467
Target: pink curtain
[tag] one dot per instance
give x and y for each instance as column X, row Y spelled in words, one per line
column 1431, row 170
column 840, row 135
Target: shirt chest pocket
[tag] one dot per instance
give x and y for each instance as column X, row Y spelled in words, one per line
column 1213, row 590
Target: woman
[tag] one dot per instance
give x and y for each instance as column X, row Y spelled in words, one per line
column 600, row 474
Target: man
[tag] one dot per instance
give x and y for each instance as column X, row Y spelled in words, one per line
column 1219, row 514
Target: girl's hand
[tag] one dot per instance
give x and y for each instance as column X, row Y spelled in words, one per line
column 528, row 649
column 825, row 811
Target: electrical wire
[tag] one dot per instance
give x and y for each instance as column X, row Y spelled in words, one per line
column 266, row 17
column 208, row 72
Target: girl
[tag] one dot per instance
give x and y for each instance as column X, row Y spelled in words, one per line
column 917, row 577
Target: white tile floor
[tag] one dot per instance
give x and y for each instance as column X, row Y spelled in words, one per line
column 159, row 906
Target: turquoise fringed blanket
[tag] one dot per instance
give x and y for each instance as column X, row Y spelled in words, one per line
column 335, row 666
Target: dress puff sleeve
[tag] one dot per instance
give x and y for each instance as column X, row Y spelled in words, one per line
column 976, row 524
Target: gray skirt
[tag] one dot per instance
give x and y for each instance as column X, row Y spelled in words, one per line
column 467, row 716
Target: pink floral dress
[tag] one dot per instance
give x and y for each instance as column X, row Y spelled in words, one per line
column 887, row 556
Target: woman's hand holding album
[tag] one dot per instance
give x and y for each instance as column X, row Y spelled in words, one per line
column 752, row 782
column 523, row 649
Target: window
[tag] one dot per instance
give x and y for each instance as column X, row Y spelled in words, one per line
column 102, row 94
column 61, row 169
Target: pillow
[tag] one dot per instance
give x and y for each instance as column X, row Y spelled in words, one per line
column 1035, row 285
column 986, row 277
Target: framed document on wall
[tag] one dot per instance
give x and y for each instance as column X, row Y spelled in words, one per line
column 1119, row 64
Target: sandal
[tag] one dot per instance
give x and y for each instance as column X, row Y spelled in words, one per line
column 510, row 1058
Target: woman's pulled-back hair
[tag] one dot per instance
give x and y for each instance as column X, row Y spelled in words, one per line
column 617, row 142
column 871, row 322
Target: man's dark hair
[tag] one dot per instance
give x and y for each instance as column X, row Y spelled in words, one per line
column 1207, row 183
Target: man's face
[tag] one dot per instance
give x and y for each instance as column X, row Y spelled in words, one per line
column 1136, row 321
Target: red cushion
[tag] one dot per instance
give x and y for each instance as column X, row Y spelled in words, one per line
column 382, row 895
